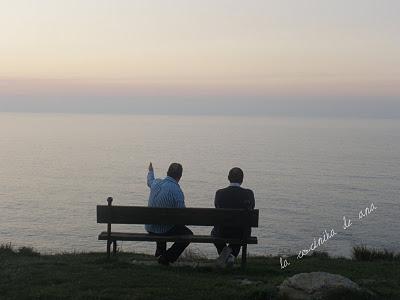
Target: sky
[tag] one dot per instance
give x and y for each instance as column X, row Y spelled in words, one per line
column 286, row 57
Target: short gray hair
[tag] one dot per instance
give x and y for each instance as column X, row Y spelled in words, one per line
column 175, row 171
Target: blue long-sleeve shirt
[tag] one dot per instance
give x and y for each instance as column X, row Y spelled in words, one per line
column 163, row 193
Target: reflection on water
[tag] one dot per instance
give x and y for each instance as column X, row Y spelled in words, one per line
column 306, row 173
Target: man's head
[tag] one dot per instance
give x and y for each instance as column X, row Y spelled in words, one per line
column 175, row 171
column 236, row 175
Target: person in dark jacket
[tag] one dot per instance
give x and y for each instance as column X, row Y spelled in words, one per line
column 233, row 196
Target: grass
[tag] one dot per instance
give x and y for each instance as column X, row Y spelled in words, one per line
column 362, row 253
column 25, row 274
column 26, row 251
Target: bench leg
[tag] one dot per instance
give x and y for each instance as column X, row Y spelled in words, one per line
column 244, row 255
column 114, row 247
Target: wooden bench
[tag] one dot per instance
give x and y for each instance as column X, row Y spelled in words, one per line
column 109, row 215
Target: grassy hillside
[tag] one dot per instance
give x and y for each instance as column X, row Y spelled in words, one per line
column 25, row 274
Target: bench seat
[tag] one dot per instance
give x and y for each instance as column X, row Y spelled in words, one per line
column 244, row 219
column 124, row 236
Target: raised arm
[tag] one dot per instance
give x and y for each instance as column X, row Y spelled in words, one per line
column 150, row 175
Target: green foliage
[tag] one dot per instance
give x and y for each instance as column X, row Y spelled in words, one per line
column 320, row 254
column 6, row 249
column 28, row 251
column 362, row 253
column 28, row 275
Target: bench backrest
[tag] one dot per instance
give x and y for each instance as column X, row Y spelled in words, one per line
column 177, row 216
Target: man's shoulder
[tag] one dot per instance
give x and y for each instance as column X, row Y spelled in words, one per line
column 234, row 188
column 223, row 190
column 164, row 182
column 156, row 182
column 169, row 186
column 249, row 191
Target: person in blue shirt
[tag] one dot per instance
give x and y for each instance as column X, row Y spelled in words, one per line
column 167, row 193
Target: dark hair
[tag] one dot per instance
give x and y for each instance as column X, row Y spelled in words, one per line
column 175, row 171
column 235, row 175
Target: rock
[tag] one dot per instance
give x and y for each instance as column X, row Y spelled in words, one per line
column 246, row 281
column 316, row 286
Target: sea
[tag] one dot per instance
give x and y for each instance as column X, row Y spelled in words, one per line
column 307, row 174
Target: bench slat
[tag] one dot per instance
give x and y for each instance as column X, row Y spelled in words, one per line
column 123, row 236
column 176, row 216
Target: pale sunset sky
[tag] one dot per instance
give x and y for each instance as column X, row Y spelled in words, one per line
column 286, row 57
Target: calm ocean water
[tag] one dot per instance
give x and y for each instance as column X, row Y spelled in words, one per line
column 306, row 174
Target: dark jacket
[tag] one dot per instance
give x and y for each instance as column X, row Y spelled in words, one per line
column 233, row 197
